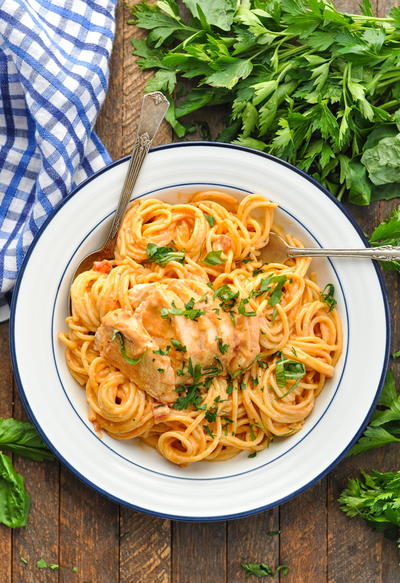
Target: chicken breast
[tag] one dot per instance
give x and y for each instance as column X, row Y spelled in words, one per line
column 153, row 373
column 171, row 323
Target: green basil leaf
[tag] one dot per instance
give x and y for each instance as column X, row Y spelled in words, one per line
column 21, row 437
column 14, row 499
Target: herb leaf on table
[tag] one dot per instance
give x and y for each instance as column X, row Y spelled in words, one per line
column 375, row 498
column 388, row 233
column 384, row 427
column 22, row 438
column 14, row 499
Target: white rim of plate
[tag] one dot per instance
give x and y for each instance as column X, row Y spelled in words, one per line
column 312, row 481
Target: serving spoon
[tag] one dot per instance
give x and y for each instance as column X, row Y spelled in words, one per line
column 153, row 110
column 277, row 251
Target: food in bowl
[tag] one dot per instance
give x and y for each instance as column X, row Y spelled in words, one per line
column 189, row 342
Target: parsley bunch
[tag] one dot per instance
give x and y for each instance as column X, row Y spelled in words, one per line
column 302, row 80
column 376, row 499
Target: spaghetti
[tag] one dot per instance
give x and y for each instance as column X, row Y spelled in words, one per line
column 188, row 342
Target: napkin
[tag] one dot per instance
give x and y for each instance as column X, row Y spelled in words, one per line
column 53, row 78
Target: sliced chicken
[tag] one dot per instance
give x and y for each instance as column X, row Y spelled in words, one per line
column 164, row 345
column 153, row 373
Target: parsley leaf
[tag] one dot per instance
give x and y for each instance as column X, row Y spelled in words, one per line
column 227, row 296
column 258, row 569
column 375, row 498
column 178, row 345
column 163, row 255
column 213, row 258
column 327, row 296
column 276, row 295
column 288, row 370
column 210, row 220
column 188, row 312
column 242, row 308
column 223, row 348
column 128, row 359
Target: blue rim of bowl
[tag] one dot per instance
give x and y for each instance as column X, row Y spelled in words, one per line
column 196, row 518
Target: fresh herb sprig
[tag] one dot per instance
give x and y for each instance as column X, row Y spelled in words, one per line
column 327, row 296
column 302, row 80
column 375, row 498
column 263, row 569
column 388, row 233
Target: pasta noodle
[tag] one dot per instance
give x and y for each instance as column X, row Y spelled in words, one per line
column 188, row 342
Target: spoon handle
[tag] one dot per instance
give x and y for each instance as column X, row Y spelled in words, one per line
column 154, row 107
column 384, row 253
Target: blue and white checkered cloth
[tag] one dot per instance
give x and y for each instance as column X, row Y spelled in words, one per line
column 53, row 79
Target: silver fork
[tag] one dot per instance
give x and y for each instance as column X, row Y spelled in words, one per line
column 277, row 251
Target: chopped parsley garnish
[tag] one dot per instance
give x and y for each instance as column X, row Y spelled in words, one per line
column 209, row 219
column 242, row 386
column 208, row 431
column 163, row 255
column 288, row 370
column 162, row 352
column 273, row 532
column 192, row 397
column 276, row 295
column 396, row 354
column 212, row 371
column 223, row 348
column 211, row 414
column 213, row 258
column 262, row 364
column 274, row 315
column 294, row 351
column 188, row 312
column 255, row 381
column 252, row 434
column 178, row 345
column 41, row 564
column 194, row 371
column 257, row 271
column 181, row 371
column 242, row 308
column 229, row 389
column 227, row 296
column 23, row 560
column 258, row 569
column 161, row 369
column 128, row 359
column 252, row 454
column 327, row 296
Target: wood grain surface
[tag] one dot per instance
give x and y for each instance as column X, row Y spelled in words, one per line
column 94, row 540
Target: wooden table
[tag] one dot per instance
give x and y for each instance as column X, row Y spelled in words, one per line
column 73, row 526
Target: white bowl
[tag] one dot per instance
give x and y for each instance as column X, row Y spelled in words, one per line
column 132, row 473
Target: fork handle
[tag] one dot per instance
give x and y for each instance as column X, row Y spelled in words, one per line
column 383, row 253
column 154, row 108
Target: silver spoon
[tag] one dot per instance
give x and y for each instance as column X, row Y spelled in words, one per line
column 277, row 251
column 154, row 107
